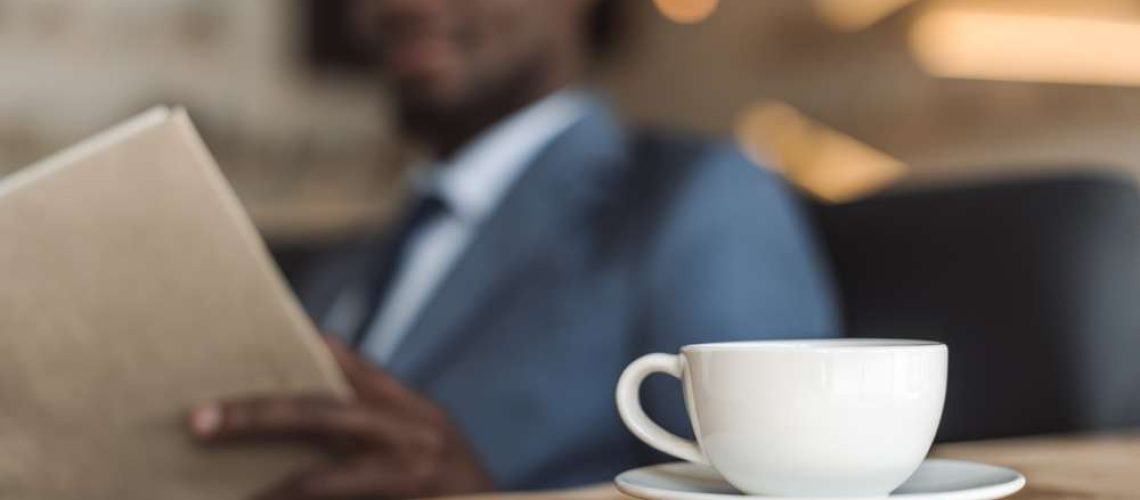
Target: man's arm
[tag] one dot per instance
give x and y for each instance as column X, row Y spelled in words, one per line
column 733, row 258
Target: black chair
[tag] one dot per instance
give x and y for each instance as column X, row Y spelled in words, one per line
column 1034, row 285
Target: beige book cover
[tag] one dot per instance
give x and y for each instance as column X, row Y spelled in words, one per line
column 133, row 286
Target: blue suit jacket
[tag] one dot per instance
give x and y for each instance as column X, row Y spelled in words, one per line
column 610, row 246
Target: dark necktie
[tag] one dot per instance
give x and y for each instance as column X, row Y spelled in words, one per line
column 383, row 272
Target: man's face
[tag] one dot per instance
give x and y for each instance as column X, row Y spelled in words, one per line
column 445, row 55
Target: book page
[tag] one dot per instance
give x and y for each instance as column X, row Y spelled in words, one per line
column 134, row 287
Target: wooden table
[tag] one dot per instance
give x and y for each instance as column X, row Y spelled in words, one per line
column 1059, row 468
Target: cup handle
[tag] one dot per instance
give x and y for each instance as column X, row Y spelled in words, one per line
column 629, row 407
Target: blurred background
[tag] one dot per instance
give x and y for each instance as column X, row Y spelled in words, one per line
column 845, row 97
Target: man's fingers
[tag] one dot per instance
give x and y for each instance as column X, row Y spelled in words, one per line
column 257, row 418
column 323, row 420
column 365, row 478
column 353, row 366
column 369, row 381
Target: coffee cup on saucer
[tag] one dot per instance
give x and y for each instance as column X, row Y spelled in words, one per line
column 800, row 418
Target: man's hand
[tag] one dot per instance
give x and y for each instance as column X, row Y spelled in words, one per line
column 394, row 443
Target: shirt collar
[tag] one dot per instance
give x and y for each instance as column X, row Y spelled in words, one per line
column 475, row 179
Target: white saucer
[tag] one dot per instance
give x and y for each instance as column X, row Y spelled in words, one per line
column 935, row 479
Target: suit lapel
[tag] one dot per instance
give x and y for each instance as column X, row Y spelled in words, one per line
column 569, row 177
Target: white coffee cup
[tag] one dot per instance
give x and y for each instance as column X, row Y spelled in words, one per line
column 840, row 417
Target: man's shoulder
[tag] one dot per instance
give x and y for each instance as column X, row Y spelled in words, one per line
column 672, row 167
column 727, row 250
column 673, row 152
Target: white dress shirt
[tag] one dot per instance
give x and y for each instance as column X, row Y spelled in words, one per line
column 471, row 184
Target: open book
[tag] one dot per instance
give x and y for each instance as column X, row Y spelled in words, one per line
column 132, row 287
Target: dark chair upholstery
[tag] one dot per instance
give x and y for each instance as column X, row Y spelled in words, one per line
column 1034, row 285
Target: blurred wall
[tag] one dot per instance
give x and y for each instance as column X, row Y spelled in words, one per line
column 867, row 84
column 309, row 151
column 304, row 148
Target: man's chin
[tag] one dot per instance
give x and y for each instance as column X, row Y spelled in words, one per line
column 423, row 107
column 430, row 92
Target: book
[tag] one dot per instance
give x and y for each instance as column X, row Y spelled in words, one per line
column 133, row 286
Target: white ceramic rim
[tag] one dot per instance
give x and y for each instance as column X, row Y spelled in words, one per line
column 819, row 345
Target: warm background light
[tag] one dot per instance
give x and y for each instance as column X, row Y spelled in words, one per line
column 1107, row 9
column 686, row 11
column 855, row 15
column 997, row 45
column 828, row 163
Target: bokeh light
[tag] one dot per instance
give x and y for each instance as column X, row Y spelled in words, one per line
column 855, row 15
column 830, row 164
column 976, row 43
column 686, row 11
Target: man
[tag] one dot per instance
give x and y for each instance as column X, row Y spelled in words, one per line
column 547, row 249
